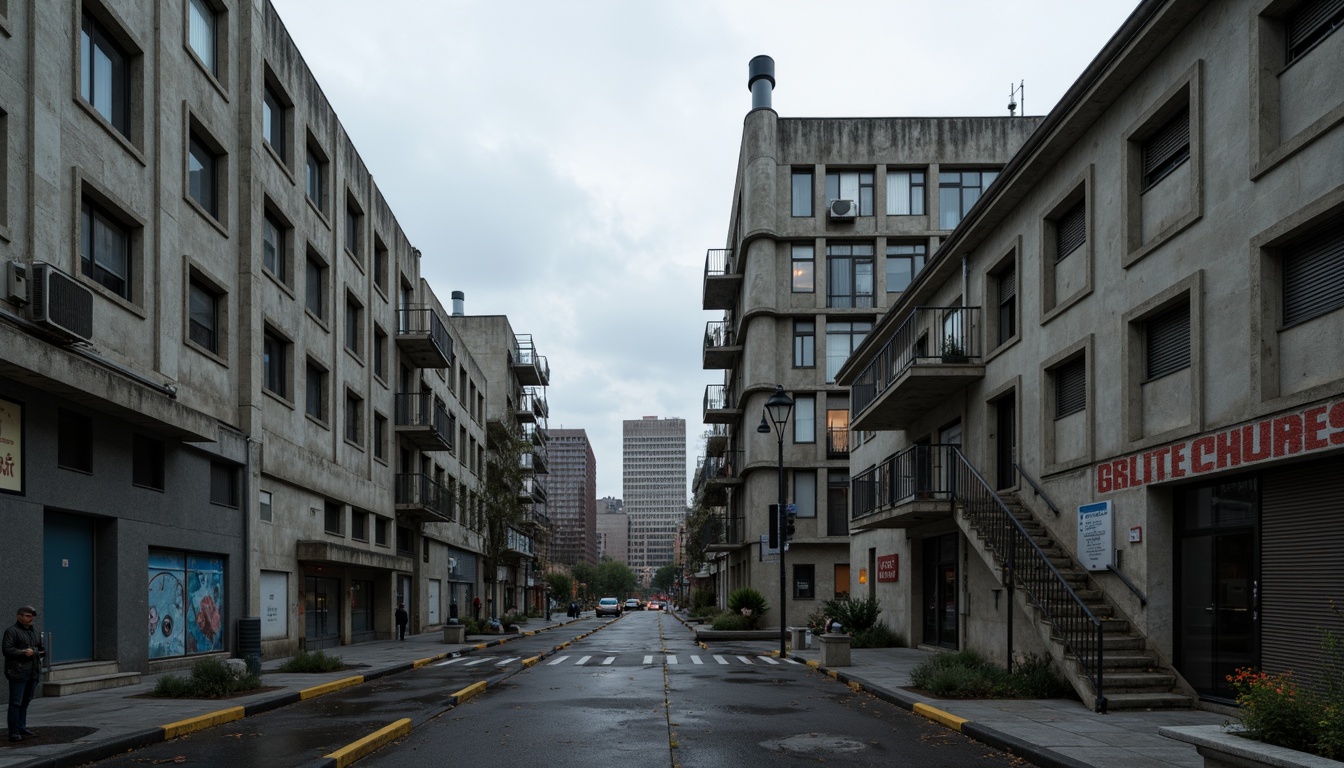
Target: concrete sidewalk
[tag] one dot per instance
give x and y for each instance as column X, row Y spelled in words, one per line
column 73, row 730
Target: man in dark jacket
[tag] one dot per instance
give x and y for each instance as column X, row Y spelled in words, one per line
column 23, row 663
column 402, row 618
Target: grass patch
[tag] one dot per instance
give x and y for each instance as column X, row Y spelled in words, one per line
column 317, row 661
column 969, row 675
column 209, row 679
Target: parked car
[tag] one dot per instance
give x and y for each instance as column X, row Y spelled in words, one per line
column 633, row 604
column 608, row 606
column 654, row 605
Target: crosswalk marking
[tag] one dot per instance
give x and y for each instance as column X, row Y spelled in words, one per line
column 720, row 659
column 696, row 660
column 767, row 660
column 648, row 660
column 474, row 662
column 608, row 660
column 652, row 659
column 745, row 660
column 671, row 659
column 450, row 661
column 507, row 661
column 792, row 660
column 558, row 660
column 582, row 661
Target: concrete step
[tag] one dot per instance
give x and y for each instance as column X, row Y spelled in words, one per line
column 1138, row 682
column 87, row 684
column 1129, row 661
column 1111, row 643
column 1132, row 701
column 81, row 669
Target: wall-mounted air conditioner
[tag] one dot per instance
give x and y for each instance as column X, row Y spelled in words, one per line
column 844, row 209
column 59, row 303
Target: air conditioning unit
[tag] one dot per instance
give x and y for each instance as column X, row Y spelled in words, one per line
column 59, row 303
column 844, row 209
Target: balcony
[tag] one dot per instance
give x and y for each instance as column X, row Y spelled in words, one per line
column 536, row 519
column 722, row 280
column 535, row 460
column 532, row 407
column 421, row 499
column 727, row 531
column 837, row 442
column 722, row 347
column 934, row 354
column 536, row 435
column 911, row 488
column 531, row 368
column 721, row 406
column 520, row 543
column 532, row 490
column 716, row 441
column 423, row 338
column 725, row 470
column 424, row 421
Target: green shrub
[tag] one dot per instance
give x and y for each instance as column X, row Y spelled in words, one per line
column 854, row 614
column 878, row 636
column 749, row 604
column 702, row 602
column 968, row 674
column 513, row 618
column 732, row 622
column 210, row 678
column 317, row 661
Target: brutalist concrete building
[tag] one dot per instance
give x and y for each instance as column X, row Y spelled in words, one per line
column 1106, row 421
column 572, row 498
column 831, row 220
column 225, row 391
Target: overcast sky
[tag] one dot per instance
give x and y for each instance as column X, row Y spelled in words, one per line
column 568, row 163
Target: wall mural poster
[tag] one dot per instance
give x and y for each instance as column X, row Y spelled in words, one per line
column 205, row 604
column 167, row 605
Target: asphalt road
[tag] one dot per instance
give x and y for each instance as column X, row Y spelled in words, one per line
column 639, row 692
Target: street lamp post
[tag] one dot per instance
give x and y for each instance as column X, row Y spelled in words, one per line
column 778, row 408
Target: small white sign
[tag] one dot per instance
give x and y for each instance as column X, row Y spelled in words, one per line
column 1096, row 546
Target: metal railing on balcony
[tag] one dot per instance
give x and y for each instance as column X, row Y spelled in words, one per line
column 837, row 442
column 930, row 335
column 716, row 439
column 423, row 337
column 719, row 262
column 726, row 468
column 727, row 530
column 421, row 496
column 532, row 405
column 532, row 489
column 720, row 333
column 531, row 367
column 536, row 434
column 425, row 421
column 917, row 473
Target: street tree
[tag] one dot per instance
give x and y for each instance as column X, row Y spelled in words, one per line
column 665, row 578
column 503, row 508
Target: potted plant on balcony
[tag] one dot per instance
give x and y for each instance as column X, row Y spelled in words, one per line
column 953, row 351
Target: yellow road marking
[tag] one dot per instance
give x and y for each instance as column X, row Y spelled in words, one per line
column 325, row 688
column 469, row 691
column 939, row 716
column 375, row 741
column 201, row 722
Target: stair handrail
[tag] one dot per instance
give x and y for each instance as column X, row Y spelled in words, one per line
column 1143, row 599
column 1036, row 487
column 1010, row 540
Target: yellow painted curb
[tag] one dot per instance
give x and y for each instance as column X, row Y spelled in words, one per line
column 531, row 661
column 855, row 687
column 418, row 663
column 480, row 646
column 201, row 722
column 469, row 691
column 939, row 716
column 813, row 664
column 375, row 741
column 325, row 688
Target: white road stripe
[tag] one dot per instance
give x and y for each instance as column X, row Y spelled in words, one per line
column 450, row 661
column 671, row 659
column 696, row 660
column 768, row 660
column 508, row 661
column 474, row 662
column 582, row 661
column 608, row 661
column 557, row 661
column 720, row 659
column 745, row 660
column 648, row 660
column 791, row 660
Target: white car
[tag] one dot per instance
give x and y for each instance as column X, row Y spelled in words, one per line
column 608, row 606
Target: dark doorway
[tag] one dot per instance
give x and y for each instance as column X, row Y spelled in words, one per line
column 940, row 591
column 322, row 612
column 1005, row 441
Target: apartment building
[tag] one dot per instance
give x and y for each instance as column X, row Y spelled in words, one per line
column 1123, row 447
column 653, row 487
column 229, row 404
column 572, row 488
column 831, row 221
column 613, row 530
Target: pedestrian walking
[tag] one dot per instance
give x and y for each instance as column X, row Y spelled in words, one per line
column 23, row 665
column 402, row 619
column 476, row 608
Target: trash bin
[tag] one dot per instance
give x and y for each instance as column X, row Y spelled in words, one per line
column 799, row 638
column 249, row 643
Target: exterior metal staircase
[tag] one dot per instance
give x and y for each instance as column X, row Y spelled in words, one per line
column 1107, row 661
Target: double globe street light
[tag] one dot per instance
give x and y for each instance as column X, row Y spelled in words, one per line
column 777, row 409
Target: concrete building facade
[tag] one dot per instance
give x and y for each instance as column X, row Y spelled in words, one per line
column 613, row 530
column 572, row 488
column 653, row 482
column 831, row 220
column 1146, row 400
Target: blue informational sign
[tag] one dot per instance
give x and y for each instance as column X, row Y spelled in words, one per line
column 1096, row 546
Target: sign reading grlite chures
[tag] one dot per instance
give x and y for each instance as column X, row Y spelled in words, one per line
column 1290, row 434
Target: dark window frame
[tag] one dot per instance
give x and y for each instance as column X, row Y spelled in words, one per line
column 810, row 571
column 74, row 441
column 1006, row 282
column 804, row 343
column 147, row 462
column 95, row 36
column 1312, row 267
column 866, row 180
column 275, row 363
column 807, row 275
column 223, row 484
column 203, row 176
column 805, row 209
column 1166, row 149
column 915, row 259
column 1307, row 25
column 849, row 258
column 967, row 193
column 916, row 197
column 1070, row 382
column 206, row 335
column 315, row 386
column 1167, row 347
column 95, row 261
column 1070, row 230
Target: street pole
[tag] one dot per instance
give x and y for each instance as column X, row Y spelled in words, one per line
column 778, row 408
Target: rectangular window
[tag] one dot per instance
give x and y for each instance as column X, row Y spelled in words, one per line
column 837, row 433
column 905, row 193
column 315, row 392
column 74, row 441
column 380, row 437
column 354, row 220
column 805, row 492
column 315, row 178
column 837, row 503
column 1071, row 387
column 802, row 193
column 1311, row 22
column 105, row 250
column 958, row 191
column 201, row 33
column 1007, row 281
column 1167, row 342
column 359, row 525
column 804, row 267
column 804, row 343
column 203, row 315
column 849, row 276
column 275, row 364
column 1166, row 149
column 203, row 176
column 354, row 325
column 333, row 517
column 904, row 261
column 223, row 484
column 273, row 121
column 403, row 540
column 1313, row 274
column 1071, row 230
column 380, row 526
column 804, row 582
column 315, row 287
column 379, row 353
column 354, row 418
column 147, row 462
column 842, row 338
column 851, row 185
column 105, row 76
column 805, row 419
column 265, row 511
column 379, row 265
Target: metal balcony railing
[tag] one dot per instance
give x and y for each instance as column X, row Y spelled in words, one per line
column 837, row 442
column 423, row 337
column 425, row 420
column 532, row 368
column 930, row 335
column 420, row 495
column 720, row 333
column 533, row 405
column 719, row 262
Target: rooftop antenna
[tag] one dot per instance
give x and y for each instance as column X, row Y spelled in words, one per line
column 1016, row 92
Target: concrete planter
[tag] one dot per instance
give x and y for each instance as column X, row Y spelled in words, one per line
column 1223, row 748
column 834, row 650
column 455, row 633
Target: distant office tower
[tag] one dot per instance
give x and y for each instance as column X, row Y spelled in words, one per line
column 654, row 482
column 613, row 530
column 573, row 498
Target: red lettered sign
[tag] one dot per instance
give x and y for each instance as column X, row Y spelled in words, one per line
column 888, row 568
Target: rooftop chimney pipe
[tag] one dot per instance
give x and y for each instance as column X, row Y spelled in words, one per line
column 458, row 299
column 761, row 81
